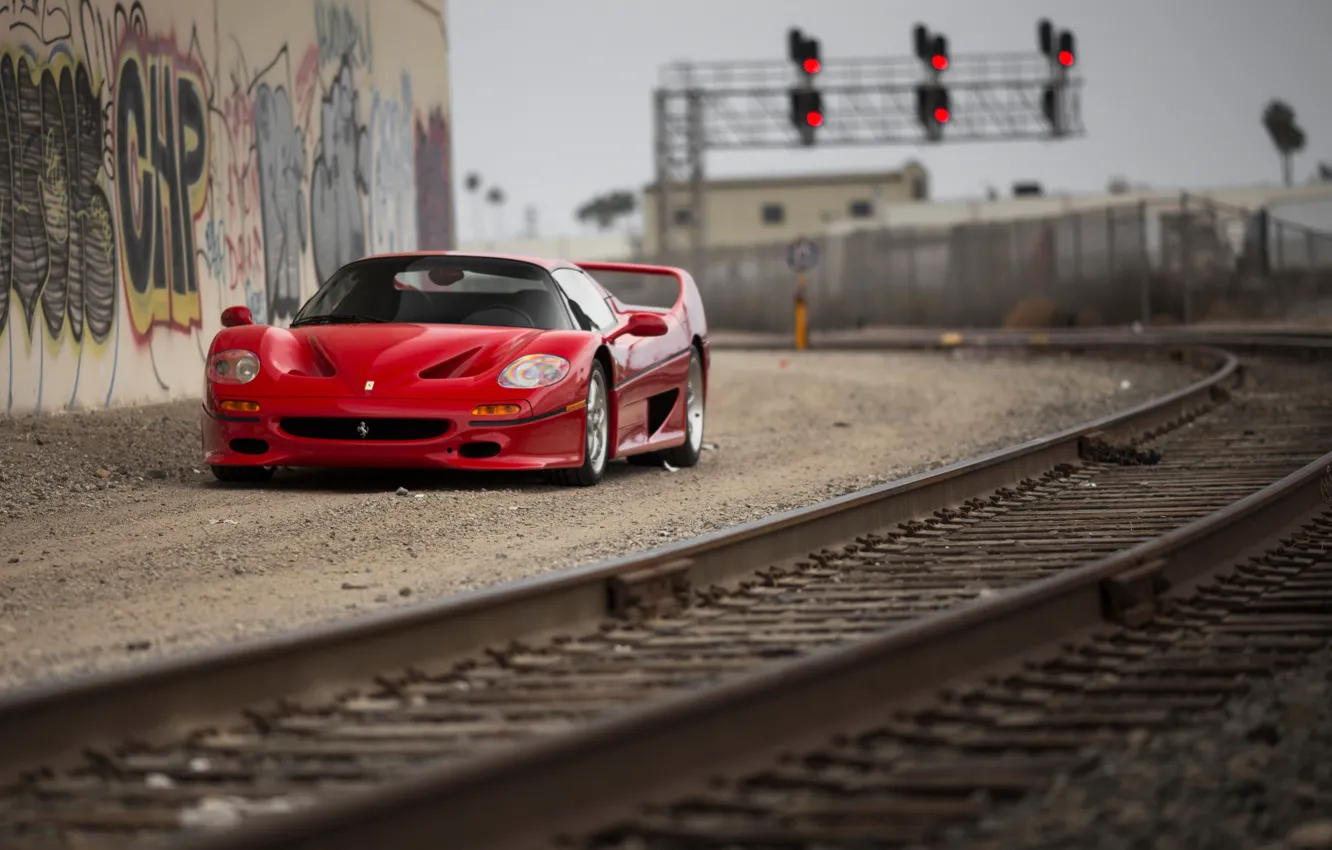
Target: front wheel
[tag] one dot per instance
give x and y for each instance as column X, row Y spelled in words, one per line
column 596, row 436
column 243, row 474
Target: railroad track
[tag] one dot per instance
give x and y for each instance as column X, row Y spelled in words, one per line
column 913, row 776
column 415, row 714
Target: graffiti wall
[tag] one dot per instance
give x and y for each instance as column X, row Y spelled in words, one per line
column 165, row 159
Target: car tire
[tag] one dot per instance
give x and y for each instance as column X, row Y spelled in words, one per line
column 596, row 435
column 687, row 453
column 243, row 474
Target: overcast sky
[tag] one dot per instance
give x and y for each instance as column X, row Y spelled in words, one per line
column 551, row 100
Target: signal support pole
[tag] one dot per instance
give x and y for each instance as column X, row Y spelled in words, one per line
column 801, row 313
column 801, row 256
column 697, row 205
column 679, row 165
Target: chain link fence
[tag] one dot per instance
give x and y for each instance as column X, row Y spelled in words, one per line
column 1182, row 260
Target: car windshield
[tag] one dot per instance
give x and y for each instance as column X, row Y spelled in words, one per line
column 439, row 290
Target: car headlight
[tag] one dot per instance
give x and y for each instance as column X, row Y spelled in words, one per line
column 534, row 370
column 235, row 366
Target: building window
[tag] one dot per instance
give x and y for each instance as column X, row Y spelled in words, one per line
column 861, row 209
column 774, row 213
column 683, row 218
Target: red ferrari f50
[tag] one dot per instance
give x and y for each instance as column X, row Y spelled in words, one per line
column 462, row 361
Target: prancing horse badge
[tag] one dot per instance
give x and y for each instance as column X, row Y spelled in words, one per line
column 369, row 385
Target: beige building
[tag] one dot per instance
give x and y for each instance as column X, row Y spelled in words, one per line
column 757, row 211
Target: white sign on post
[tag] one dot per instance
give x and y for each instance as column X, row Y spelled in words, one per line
column 802, row 255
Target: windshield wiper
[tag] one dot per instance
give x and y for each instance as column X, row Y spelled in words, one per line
column 335, row 319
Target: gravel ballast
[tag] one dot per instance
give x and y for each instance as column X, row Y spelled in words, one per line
column 1256, row 774
column 117, row 545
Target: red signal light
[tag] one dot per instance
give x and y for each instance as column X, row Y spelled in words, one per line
column 815, row 119
column 939, row 62
column 1066, row 58
column 812, row 66
column 941, row 115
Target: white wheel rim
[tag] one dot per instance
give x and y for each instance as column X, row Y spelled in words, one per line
column 596, row 425
column 694, row 405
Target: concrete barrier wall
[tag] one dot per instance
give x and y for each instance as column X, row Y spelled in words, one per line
column 163, row 160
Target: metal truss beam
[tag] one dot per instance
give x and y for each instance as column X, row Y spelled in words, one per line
column 747, row 119
column 876, row 71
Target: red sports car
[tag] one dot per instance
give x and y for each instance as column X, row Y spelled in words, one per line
column 461, row 361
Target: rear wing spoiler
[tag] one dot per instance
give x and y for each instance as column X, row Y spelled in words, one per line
column 682, row 278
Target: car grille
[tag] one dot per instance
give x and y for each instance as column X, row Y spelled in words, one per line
column 365, row 430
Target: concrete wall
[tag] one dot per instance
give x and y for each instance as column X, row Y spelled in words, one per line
column 163, row 160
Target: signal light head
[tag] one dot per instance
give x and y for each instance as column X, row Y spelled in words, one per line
column 812, row 66
column 940, row 63
column 1066, row 58
column 941, row 115
column 814, row 119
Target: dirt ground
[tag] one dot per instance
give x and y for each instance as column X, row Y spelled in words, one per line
column 116, row 545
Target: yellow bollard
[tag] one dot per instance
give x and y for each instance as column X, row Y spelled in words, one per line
column 801, row 314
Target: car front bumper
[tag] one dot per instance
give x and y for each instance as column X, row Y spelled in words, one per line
column 341, row 432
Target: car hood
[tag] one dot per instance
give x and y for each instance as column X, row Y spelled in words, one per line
column 402, row 360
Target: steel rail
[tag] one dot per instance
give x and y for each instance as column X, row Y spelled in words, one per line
column 551, row 792
column 160, row 700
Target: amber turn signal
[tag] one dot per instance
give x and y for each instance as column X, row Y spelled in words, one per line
column 239, row 406
column 495, row 410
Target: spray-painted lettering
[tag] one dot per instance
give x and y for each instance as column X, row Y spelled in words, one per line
column 393, row 184
column 341, row 35
column 281, row 156
column 57, row 249
column 434, row 192
column 337, row 222
column 215, row 248
column 161, row 138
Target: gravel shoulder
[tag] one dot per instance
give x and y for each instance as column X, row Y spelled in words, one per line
column 116, row 545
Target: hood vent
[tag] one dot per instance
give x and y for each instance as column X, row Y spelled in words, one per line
column 322, row 363
column 454, row 367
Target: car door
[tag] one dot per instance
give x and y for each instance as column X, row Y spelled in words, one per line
column 638, row 374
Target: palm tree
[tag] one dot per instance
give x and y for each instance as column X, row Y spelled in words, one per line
column 1279, row 120
column 496, row 197
column 604, row 210
column 473, row 184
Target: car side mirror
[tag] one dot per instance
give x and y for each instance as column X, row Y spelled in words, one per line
column 234, row 317
column 642, row 324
